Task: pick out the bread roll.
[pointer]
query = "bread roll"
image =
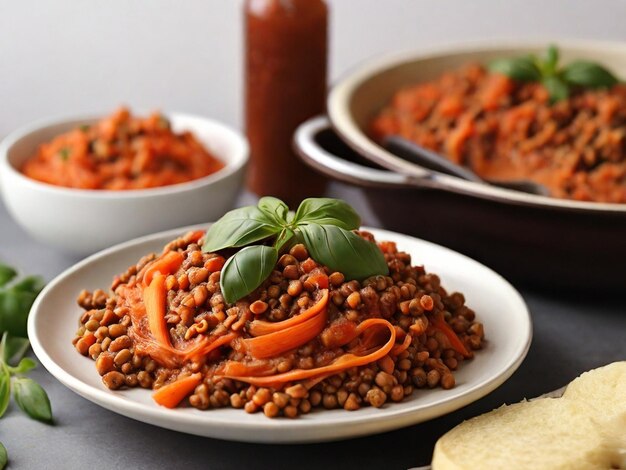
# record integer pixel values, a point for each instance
(585, 429)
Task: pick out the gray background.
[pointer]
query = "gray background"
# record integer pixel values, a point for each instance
(77, 56)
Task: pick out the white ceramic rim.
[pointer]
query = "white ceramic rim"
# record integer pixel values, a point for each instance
(232, 163)
(344, 124)
(388, 419)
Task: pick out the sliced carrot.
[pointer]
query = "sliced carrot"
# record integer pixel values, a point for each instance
(341, 363)
(166, 264)
(439, 323)
(171, 395)
(260, 327)
(154, 298)
(215, 264)
(195, 235)
(207, 345)
(398, 348)
(318, 278)
(273, 344)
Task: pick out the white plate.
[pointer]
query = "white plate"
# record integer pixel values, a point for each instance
(54, 316)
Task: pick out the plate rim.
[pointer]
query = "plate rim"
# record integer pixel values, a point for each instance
(340, 428)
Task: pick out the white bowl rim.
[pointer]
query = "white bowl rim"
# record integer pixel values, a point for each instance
(345, 126)
(232, 164)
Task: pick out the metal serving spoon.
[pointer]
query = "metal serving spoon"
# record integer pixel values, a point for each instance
(428, 159)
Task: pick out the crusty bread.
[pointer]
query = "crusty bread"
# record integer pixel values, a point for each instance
(586, 429)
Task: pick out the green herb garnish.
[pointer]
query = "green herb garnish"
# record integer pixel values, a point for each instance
(558, 81)
(324, 225)
(16, 298)
(4, 457)
(28, 394)
(64, 153)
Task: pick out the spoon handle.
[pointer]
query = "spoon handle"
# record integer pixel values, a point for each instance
(427, 159)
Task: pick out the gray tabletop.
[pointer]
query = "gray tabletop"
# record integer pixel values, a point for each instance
(571, 335)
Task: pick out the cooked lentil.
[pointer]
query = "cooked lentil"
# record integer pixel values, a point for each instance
(409, 298)
(508, 130)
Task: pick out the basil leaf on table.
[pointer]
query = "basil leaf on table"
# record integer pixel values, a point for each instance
(7, 273)
(588, 74)
(275, 208)
(344, 251)
(33, 284)
(327, 211)
(5, 389)
(32, 399)
(246, 270)
(520, 68)
(25, 365)
(240, 227)
(4, 456)
(557, 88)
(14, 349)
(14, 308)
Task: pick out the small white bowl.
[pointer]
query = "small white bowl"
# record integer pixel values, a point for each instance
(80, 221)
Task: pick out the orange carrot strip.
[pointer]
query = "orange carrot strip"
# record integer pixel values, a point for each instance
(169, 263)
(398, 348)
(455, 342)
(273, 344)
(260, 327)
(341, 363)
(319, 278)
(205, 346)
(195, 236)
(154, 298)
(171, 395)
(215, 264)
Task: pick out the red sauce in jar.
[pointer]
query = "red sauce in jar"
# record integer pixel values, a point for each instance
(286, 61)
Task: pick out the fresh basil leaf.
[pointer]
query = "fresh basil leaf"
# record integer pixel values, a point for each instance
(24, 366)
(14, 308)
(285, 237)
(344, 251)
(238, 228)
(246, 270)
(327, 211)
(523, 69)
(32, 399)
(588, 74)
(4, 457)
(14, 349)
(33, 284)
(274, 208)
(5, 389)
(7, 273)
(552, 59)
(557, 88)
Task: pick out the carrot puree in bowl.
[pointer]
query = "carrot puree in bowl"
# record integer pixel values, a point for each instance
(122, 152)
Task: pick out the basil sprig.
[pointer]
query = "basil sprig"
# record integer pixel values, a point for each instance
(16, 298)
(28, 394)
(558, 81)
(324, 225)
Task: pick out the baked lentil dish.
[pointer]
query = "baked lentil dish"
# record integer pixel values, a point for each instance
(306, 337)
(509, 129)
(122, 152)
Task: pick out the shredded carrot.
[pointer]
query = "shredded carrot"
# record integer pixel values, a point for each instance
(215, 264)
(171, 395)
(168, 263)
(154, 298)
(398, 348)
(194, 236)
(273, 344)
(439, 323)
(318, 278)
(260, 327)
(206, 345)
(341, 363)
